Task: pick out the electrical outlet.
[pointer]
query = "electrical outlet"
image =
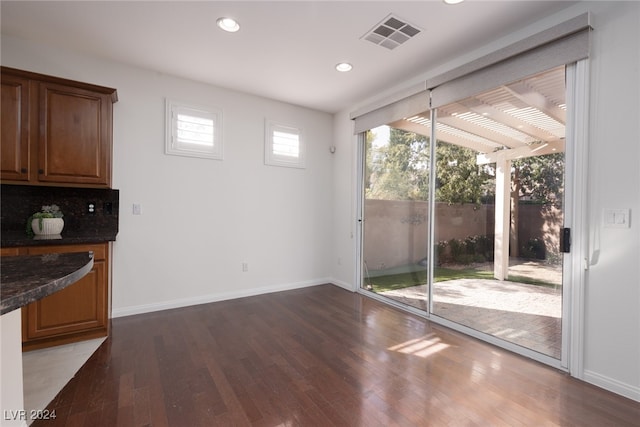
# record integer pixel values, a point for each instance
(245, 267)
(108, 208)
(91, 208)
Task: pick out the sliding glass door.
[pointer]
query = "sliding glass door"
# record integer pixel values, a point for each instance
(468, 229)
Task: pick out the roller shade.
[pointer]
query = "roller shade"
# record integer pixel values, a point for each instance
(560, 45)
(416, 102)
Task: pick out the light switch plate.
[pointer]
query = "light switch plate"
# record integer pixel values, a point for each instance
(616, 218)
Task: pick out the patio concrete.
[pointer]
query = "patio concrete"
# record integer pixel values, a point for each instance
(527, 315)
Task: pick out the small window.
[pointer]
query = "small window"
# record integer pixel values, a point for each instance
(193, 131)
(284, 145)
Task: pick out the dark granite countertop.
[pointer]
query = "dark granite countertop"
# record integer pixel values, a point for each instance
(10, 239)
(25, 279)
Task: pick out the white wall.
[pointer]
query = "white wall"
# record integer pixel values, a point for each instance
(611, 356)
(612, 340)
(201, 219)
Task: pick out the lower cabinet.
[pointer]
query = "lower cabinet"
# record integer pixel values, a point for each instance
(78, 312)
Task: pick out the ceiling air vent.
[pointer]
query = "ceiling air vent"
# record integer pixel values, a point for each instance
(391, 32)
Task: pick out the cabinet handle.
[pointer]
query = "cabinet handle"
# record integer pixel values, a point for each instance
(23, 170)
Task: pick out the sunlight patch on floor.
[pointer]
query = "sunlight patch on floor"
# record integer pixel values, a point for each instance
(421, 347)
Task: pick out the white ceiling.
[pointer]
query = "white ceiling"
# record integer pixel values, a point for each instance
(284, 50)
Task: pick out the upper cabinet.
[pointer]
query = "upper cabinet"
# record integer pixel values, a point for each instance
(55, 131)
(14, 133)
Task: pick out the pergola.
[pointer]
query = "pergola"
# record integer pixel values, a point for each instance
(518, 120)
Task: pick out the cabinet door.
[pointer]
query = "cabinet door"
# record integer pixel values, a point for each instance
(14, 133)
(75, 135)
(78, 311)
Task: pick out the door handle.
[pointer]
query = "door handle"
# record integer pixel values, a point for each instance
(565, 240)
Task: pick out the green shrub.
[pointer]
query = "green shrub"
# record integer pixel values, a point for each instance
(465, 251)
(456, 248)
(465, 259)
(533, 249)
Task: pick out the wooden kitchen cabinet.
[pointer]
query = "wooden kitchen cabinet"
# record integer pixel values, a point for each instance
(77, 312)
(14, 133)
(55, 131)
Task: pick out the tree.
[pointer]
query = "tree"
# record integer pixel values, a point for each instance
(399, 169)
(459, 179)
(540, 179)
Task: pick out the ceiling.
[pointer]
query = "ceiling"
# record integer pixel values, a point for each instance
(284, 50)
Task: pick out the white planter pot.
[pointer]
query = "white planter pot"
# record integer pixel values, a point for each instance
(50, 226)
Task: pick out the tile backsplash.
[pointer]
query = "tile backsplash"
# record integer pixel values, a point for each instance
(19, 202)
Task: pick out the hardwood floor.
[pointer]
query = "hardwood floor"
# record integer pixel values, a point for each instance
(317, 356)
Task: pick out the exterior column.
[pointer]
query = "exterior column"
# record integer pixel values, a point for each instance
(502, 218)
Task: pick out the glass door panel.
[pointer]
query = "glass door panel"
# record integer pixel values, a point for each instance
(498, 212)
(395, 215)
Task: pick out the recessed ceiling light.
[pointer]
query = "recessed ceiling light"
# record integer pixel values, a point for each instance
(343, 67)
(452, 1)
(228, 24)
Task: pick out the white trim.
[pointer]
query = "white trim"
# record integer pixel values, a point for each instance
(222, 296)
(344, 285)
(613, 385)
(577, 140)
(359, 219)
(431, 237)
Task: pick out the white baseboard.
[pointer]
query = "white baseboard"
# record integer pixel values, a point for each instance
(344, 285)
(613, 385)
(222, 296)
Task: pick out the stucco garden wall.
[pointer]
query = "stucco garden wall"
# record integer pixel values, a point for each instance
(396, 231)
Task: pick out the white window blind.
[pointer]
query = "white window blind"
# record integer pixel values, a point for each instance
(284, 145)
(193, 131)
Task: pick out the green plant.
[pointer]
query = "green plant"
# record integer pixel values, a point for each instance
(441, 251)
(533, 249)
(457, 248)
(47, 211)
(405, 280)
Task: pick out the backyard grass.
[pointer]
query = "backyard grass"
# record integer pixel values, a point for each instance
(404, 280)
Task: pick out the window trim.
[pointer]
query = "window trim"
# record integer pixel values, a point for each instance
(173, 108)
(273, 159)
